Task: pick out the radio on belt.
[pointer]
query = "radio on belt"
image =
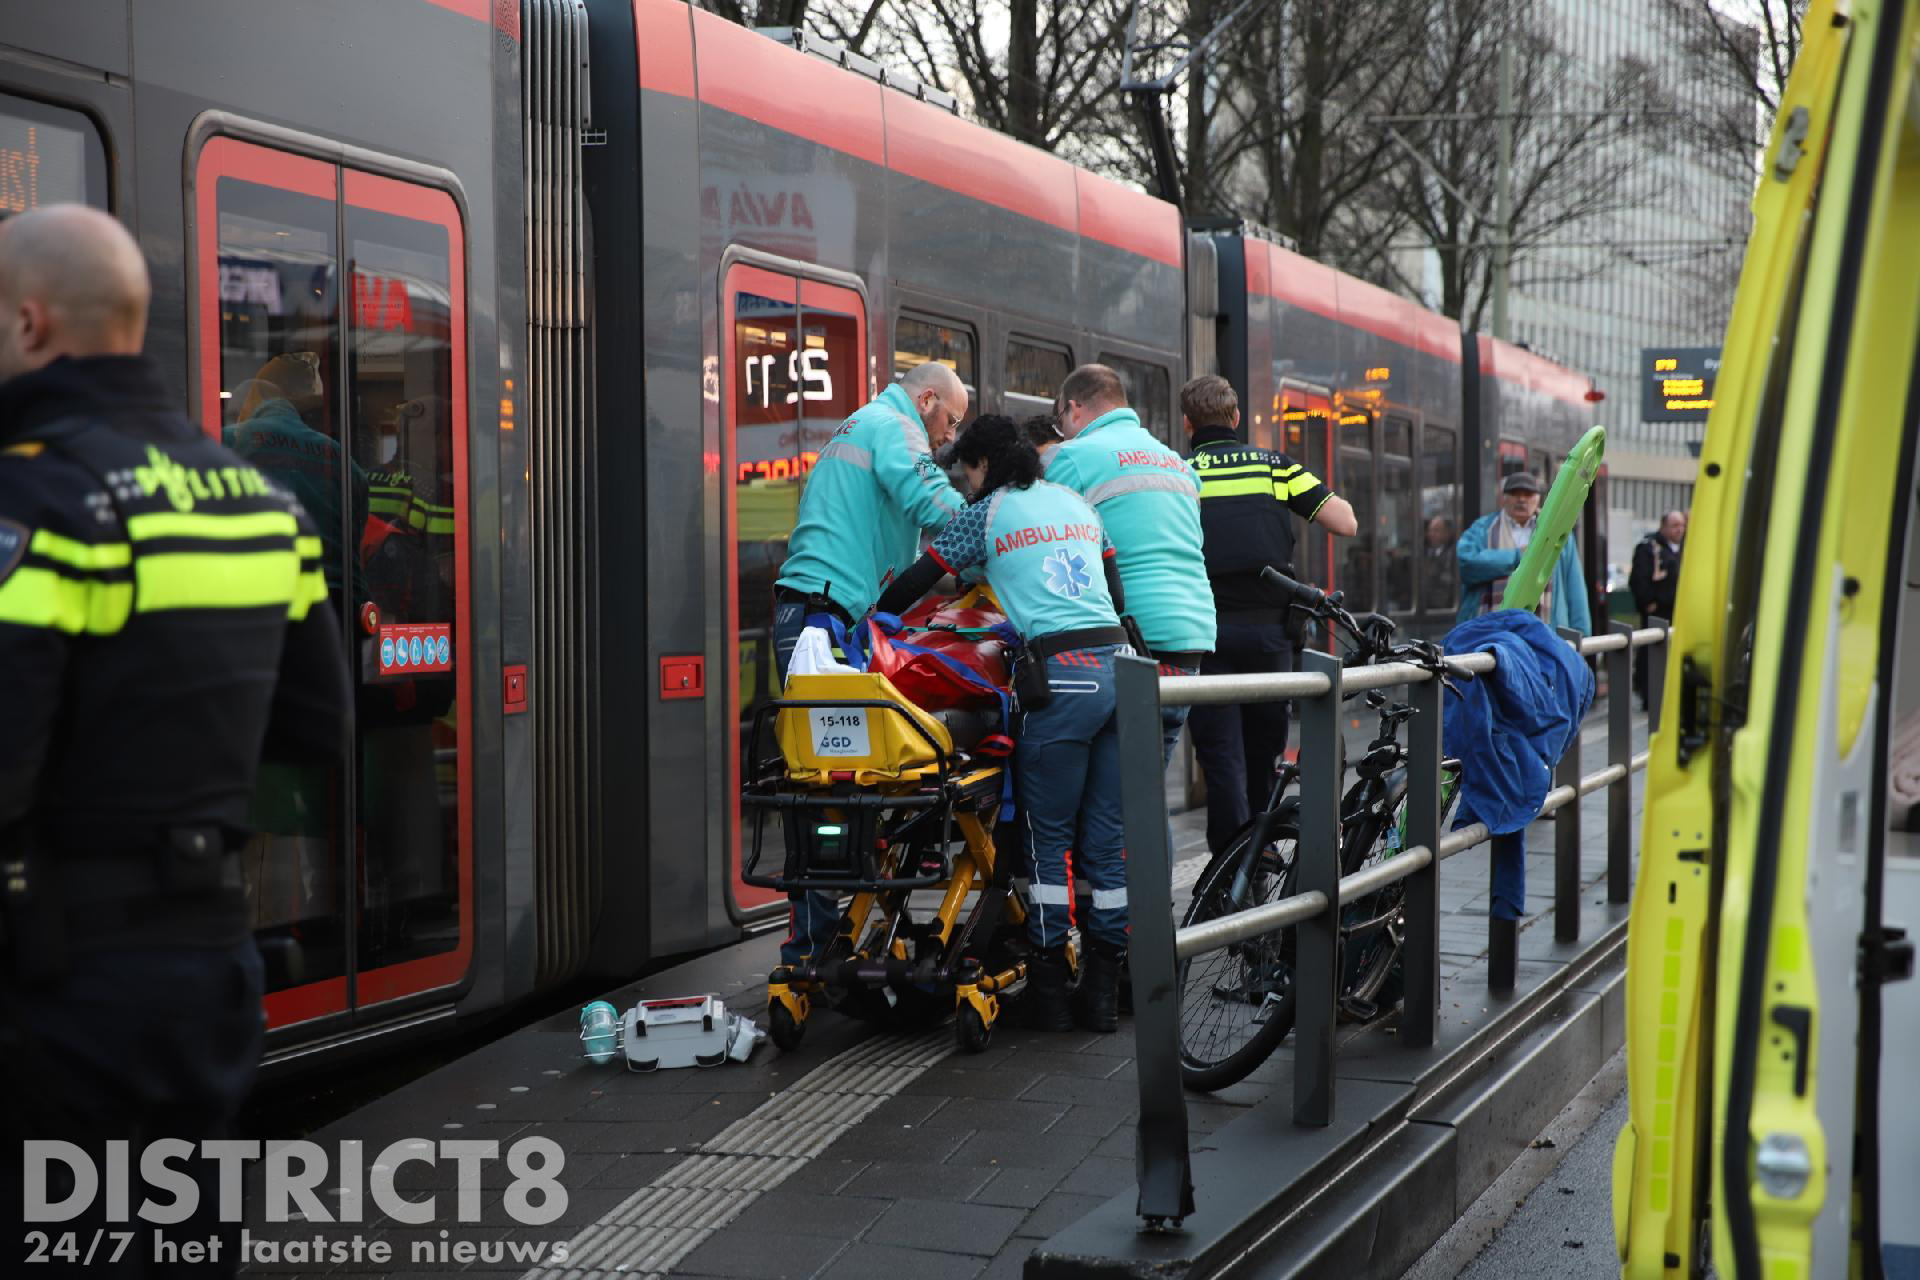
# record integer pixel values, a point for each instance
(693, 1031)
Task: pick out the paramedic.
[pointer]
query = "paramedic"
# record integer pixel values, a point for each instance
(872, 491)
(1149, 500)
(1050, 563)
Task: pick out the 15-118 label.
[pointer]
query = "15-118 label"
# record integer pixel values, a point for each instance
(839, 732)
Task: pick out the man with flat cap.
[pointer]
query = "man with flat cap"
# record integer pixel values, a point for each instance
(1491, 548)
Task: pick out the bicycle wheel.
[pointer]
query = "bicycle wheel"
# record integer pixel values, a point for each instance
(1373, 926)
(1237, 1003)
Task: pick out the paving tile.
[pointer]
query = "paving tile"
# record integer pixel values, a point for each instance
(653, 1107)
(884, 1262)
(1023, 1150)
(1019, 1188)
(1030, 1117)
(971, 1084)
(634, 1170)
(1096, 1120)
(915, 1110)
(1099, 1176)
(888, 1181)
(1093, 1065)
(1080, 1090)
(944, 1227)
(1058, 1212)
(809, 1213)
(924, 1145)
(760, 1255)
(1008, 1264)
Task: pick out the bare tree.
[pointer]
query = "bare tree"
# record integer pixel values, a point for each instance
(1742, 57)
(1575, 162)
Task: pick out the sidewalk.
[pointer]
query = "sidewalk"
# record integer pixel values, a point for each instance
(879, 1155)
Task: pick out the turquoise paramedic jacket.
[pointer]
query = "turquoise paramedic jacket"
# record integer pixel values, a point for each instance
(1042, 547)
(1481, 564)
(874, 487)
(1149, 500)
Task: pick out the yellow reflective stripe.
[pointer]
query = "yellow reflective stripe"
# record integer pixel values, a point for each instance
(387, 506)
(81, 555)
(1298, 485)
(440, 524)
(213, 580)
(190, 524)
(309, 547)
(1211, 488)
(308, 591)
(35, 597)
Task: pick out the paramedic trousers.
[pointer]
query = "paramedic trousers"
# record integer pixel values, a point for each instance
(1237, 744)
(1067, 770)
(813, 916)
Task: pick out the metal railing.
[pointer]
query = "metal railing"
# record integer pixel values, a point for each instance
(1157, 947)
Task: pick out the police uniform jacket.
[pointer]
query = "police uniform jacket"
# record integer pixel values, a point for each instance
(1248, 498)
(163, 621)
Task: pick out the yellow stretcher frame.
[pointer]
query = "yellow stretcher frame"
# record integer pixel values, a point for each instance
(1721, 945)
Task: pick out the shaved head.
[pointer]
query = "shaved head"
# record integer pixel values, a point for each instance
(938, 396)
(72, 283)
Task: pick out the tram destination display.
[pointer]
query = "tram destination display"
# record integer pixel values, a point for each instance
(48, 155)
(1677, 383)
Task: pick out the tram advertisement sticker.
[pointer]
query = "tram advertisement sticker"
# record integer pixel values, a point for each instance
(840, 731)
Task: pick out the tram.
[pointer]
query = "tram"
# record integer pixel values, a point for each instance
(566, 294)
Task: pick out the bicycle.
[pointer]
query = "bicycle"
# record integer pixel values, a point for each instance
(1237, 1003)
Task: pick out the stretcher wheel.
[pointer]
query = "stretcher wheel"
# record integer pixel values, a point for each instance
(786, 1030)
(970, 1031)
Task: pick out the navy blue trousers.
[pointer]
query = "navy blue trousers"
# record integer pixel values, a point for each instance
(1067, 770)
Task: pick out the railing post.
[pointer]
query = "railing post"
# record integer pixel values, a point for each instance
(1620, 752)
(1160, 1158)
(1317, 959)
(1419, 1013)
(1566, 833)
(1657, 673)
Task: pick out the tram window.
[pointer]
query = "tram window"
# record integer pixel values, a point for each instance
(1397, 531)
(1541, 466)
(1034, 375)
(1149, 392)
(916, 341)
(1356, 486)
(273, 395)
(48, 155)
(1439, 501)
(1308, 440)
(401, 425)
(1513, 457)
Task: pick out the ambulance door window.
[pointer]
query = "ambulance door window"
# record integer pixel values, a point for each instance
(406, 417)
(269, 376)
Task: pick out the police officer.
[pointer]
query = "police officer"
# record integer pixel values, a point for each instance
(874, 488)
(1050, 563)
(1248, 500)
(163, 618)
(1149, 500)
(1655, 583)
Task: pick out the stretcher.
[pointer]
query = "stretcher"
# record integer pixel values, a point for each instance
(871, 795)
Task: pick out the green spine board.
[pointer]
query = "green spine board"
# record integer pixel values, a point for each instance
(1556, 520)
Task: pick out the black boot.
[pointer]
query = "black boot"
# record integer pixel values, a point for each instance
(1097, 1003)
(1503, 947)
(1047, 1003)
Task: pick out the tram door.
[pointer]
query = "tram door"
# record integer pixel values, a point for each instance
(332, 345)
(794, 351)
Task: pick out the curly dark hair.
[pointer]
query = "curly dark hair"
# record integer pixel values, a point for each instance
(996, 440)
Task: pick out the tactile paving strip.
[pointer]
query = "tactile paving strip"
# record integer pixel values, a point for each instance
(645, 1234)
